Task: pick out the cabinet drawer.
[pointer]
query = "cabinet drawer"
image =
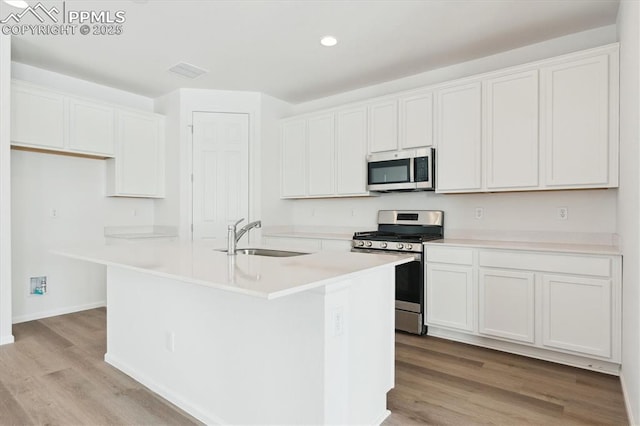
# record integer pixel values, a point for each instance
(553, 262)
(455, 255)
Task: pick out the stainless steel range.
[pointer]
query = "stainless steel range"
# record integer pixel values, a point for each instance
(404, 231)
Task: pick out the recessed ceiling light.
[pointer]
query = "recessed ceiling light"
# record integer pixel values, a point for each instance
(328, 41)
(17, 3)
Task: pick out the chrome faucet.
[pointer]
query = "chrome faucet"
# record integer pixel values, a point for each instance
(233, 236)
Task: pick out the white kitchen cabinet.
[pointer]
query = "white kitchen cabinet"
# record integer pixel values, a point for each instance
(91, 127)
(351, 151)
(511, 126)
(383, 126)
(324, 155)
(459, 138)
(416, 120)
(38, 117)
(506, 303)
(580, 122)
(293, 169)
(321, 155)
(577, 314)
(138, 169)
(450, 296)
(560, 306)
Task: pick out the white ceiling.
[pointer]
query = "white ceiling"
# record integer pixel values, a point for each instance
(273, 46)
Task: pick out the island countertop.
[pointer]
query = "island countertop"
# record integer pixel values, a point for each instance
(260, 276)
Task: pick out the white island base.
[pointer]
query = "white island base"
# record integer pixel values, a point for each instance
(320, 356)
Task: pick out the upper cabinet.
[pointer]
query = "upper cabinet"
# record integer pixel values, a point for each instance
(580, 122)
(403, 122)
(38, 117)
(138, 167)
(44, 119)
(383, 126)
(416, 120)
(511, 119)
(91, 127)
(323, 155)
(459, 135)
(351, 150)
(548, 125)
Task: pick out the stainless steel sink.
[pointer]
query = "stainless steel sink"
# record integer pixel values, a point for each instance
(267, 252)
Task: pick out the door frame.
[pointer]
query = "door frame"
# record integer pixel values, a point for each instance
(254, 167)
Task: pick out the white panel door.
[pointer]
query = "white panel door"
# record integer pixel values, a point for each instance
(576, 122)
(321, 158)
(293, 154)
(449, 296)
(416, 120)
(351, 147)
(37, 117)
(140, 155)
(577, 314)
(506, 304)
(383, 126)
(220, 172)
(459, 138)
(91, 127)
(512, 123)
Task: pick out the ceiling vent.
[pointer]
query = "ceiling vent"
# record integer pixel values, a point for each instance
(187, 70)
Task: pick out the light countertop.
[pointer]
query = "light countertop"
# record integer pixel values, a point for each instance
(595, 249)
(260, 276)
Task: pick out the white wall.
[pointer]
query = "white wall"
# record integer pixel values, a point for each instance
(5, 191)
(534, 52)
(275, 212)
(75, 188)
(526, 216)
(177, 204)
(628, 200)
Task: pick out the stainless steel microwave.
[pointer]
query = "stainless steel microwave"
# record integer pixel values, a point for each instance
(408, 170)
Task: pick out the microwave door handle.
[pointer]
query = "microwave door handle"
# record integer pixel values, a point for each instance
(412, 176)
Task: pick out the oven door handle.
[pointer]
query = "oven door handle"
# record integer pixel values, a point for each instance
(416, 256)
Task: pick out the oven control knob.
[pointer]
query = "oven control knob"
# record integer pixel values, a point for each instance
(360, 243)
(400, 245)
(368, 243)
(383, 245)
(409, 246)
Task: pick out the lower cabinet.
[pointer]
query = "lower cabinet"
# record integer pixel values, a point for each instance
(563, 307)
(450, 296)
(577, 314)
(506, 304)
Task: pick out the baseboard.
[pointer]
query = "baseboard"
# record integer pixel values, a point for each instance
(6, 340)
(627, 402)
(164, 392)
(56, 312)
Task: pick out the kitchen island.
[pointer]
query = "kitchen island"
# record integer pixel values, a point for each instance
(250, 339)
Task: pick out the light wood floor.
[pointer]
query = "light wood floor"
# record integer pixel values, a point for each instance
(55, 375)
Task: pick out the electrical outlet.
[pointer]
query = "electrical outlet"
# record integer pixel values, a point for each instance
(563, 213)
(171, 341)
(53, 213)
(338, 321)
(479, 214)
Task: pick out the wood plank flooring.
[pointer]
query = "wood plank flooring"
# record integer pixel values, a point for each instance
(439, 382)
(55, 375)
